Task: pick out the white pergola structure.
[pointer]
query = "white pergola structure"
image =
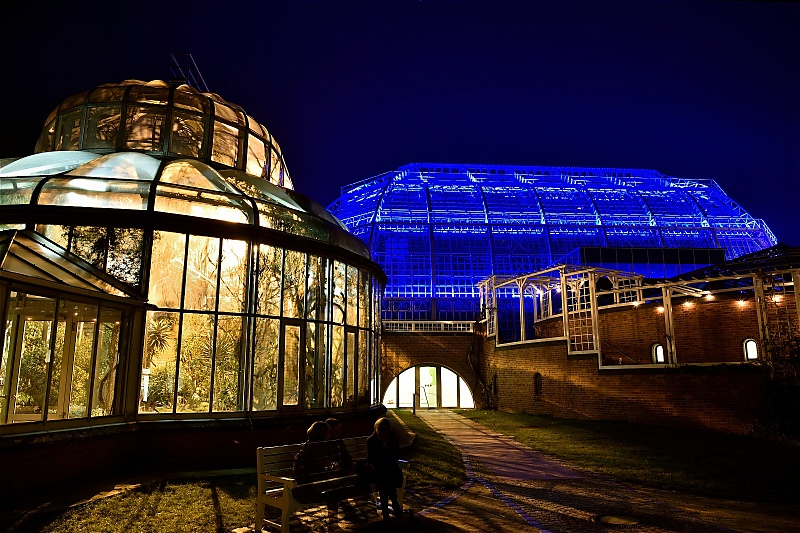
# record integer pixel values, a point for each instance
(541, 295)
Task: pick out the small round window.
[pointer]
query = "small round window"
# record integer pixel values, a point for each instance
(750, 350)
(658, 354)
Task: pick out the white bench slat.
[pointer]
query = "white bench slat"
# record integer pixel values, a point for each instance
(275, 466)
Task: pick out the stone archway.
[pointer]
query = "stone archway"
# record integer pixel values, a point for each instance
(428, 387)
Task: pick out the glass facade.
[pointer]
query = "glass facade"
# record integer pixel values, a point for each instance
(138, 284)
(159, 119)
(437, 230)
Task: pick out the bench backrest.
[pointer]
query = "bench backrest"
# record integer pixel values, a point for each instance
(279, 460)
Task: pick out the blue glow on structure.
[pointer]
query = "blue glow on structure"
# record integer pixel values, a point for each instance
(438, 229)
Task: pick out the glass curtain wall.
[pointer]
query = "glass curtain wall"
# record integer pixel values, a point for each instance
(255, 327)
(60, 358)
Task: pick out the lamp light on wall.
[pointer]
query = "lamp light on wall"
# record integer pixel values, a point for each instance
(660, 308)
(741, 303)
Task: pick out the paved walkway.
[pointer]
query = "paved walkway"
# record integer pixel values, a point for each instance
(513, 488)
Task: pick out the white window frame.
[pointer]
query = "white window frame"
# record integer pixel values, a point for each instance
(657, 351)
(754, 344)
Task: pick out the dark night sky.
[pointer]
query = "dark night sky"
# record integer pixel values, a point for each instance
(354, 89)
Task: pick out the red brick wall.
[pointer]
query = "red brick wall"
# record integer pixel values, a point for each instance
(722, 398)
(706, 332)
(405, 350)
(713, 331)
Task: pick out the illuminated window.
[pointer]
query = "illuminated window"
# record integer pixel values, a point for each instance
(750, 350)
(658, 354)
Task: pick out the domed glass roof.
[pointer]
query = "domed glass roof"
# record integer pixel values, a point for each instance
(135, 181)
(159, 119)
(439, 229)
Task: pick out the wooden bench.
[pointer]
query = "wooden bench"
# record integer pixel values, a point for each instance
(275, 481)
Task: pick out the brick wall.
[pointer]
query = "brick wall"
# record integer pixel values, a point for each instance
(405, 350)
(722, 397)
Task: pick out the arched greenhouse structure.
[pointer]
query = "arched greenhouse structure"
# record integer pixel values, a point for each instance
(156, 265)
(438, 229)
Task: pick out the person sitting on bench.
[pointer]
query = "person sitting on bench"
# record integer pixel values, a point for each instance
(317, 462)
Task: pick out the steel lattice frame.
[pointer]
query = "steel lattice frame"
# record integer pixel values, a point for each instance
(438, 229)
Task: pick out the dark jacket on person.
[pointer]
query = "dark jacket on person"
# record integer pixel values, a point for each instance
(383, 460)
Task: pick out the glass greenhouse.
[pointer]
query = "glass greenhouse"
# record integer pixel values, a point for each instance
(155, 262)
(439, 229)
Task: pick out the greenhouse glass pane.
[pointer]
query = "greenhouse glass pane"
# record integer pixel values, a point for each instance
(339, 277)
(105, 367)
(466, 401)
(194, 372)
(158, 365)
(291, 365)
(268, 279)
(314, 367)
(294, 283)
(16, 191)
(197, 203)
(449, 388)
(102, 127)
(233, 276)
(390, 398)
(316, 308)
(227, 357)
(202, 268)
(187, 133)
(84, 319)
(98, 193)
(68, 131)
(408, 388)
(143, 129)
(351, 347)
(225, 148)
(265, 364)
(166, 269)
(256, 156)
(122, 166)
(46, 164)
(352, 295)
(337, 366)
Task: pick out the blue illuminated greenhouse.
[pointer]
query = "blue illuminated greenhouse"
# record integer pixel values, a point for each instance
(438, 229)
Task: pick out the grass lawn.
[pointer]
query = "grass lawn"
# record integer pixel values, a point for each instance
(685, 460)
(221, 503)
(434, 461)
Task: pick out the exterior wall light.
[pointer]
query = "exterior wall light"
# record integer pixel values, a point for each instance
(660, 309)
(741, 303)
(687, 304)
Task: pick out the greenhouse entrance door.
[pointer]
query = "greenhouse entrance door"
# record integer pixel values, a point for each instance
(429, 387)
(49, 355)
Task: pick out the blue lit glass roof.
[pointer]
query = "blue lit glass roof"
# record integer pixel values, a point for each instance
(438, 229)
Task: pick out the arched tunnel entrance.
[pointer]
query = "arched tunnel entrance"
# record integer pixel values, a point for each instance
(435, 387)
